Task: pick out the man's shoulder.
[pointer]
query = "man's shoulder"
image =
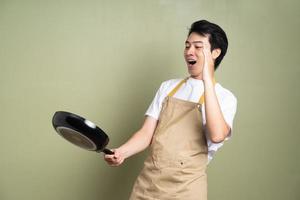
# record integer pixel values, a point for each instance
(172, 81)
(225, 93)
(165, 85)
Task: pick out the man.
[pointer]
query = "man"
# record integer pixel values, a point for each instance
(186, 123)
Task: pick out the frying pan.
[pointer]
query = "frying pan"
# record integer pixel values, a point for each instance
(80, 132)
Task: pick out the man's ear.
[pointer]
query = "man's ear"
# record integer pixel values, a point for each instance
(215, 53)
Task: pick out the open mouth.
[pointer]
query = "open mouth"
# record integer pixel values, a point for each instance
(191, 62)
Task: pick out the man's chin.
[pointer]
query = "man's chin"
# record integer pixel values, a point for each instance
(195, 75)
(192, 72)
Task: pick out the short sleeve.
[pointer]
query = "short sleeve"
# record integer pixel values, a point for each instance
(228, 106)
(155, 107)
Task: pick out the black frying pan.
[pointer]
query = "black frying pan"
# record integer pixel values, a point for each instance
(80, 132)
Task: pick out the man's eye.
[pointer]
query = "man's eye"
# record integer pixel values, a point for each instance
(199, 47)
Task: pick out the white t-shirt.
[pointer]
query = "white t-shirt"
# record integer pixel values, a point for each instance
(192, 90)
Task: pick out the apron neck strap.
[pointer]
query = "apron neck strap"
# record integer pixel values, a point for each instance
(176, 88)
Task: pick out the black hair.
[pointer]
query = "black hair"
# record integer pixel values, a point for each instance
(216, 35)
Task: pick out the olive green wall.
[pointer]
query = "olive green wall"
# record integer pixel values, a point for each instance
(105, 59)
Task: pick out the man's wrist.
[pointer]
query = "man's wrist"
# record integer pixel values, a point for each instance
(209, 81)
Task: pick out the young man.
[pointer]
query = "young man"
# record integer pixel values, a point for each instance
(186, 123)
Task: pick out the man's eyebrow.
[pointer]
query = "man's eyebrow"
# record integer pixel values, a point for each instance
(194, 42)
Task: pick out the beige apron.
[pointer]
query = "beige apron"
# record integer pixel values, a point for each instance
(176, 166)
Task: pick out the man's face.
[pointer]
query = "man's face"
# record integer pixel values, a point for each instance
(193, 54)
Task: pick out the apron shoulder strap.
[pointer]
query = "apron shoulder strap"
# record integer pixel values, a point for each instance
(175, 89)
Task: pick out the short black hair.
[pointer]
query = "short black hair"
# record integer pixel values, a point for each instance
(216, 35)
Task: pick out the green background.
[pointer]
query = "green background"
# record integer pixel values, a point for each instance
(105, 60)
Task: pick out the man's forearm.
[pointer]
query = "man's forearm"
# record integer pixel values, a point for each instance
(215, 122)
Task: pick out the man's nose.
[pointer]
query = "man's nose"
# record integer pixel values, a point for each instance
(190, 51)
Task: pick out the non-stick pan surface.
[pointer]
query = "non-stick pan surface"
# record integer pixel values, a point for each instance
(80, 132)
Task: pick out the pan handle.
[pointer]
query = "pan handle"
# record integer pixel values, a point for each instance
(107, 151)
